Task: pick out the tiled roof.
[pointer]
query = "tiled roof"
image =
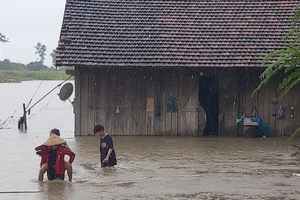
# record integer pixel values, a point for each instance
(178, 33)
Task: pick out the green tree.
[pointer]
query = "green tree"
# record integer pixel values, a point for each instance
(40, 50)
(3, 38)
(286, 61)
(36, 66)
(8, 65)
(5, 64)
(53, 56)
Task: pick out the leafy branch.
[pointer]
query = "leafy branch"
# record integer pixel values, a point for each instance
(3, 38)
(286, 61)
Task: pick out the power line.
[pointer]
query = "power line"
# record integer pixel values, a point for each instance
(38, 87)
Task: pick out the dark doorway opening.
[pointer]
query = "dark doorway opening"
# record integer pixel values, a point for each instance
(209, 100)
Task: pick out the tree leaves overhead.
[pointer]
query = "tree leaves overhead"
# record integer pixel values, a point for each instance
(286, 60)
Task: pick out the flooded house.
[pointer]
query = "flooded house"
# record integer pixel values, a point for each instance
(175, 68)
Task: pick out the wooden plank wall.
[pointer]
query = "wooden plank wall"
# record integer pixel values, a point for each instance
(84, 107)
(297, 108)
(241, 102)
(228, 102)
(267, 107)
(99, 92)
(103, 91)
(188, 104)
(77, 104)
(236, 87)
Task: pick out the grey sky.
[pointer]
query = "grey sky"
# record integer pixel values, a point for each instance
(26, 22)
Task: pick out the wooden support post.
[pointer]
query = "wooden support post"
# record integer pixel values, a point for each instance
(24, 116)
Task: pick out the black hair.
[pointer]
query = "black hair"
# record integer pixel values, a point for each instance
(98, 128)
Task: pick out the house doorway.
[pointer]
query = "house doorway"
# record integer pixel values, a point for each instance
(209, 101)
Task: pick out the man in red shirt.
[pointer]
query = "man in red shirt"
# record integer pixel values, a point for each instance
(52, 154)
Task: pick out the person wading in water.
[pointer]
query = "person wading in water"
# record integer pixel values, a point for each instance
(52, 154)
(107, 152)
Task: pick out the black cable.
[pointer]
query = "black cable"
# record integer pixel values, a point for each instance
(10, 117)
(28, 110)
(38, 87)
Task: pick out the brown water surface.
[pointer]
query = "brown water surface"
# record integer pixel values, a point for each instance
(148, 167)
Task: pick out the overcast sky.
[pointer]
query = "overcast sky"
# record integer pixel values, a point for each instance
(26, 22)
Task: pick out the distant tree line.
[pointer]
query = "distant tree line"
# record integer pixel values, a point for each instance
(40, 50)
(8, 65)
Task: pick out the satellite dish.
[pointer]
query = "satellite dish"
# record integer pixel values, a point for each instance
(66, 91)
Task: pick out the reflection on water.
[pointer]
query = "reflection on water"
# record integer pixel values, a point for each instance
(55, 190)
(148, 167)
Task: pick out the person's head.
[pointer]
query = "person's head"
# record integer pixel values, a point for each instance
(55, 131)
(99, 130)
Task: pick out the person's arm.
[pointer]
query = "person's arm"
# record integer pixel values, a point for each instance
(71, 154)
(110, 148)
(41, 150)
(108, 154)
(41, 147)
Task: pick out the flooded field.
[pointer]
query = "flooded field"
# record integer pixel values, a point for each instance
(148, 167)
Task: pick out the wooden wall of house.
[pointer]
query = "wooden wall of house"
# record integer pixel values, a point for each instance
(133, 102)
(228, 102)
(267, 103)
(236, 100)
(140, 98)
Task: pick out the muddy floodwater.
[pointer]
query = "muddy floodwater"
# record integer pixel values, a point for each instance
(148, 167)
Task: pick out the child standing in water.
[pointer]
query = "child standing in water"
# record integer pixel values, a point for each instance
(107, 152)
